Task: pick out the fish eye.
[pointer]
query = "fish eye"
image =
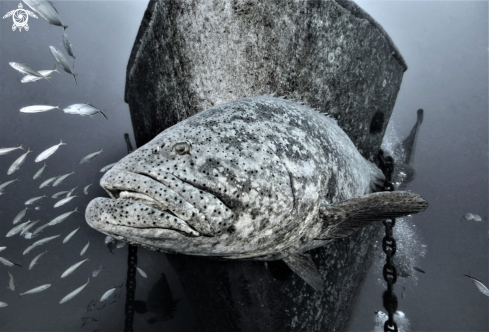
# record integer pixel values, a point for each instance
(182, 148)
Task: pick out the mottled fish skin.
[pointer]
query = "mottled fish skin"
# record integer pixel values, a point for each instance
(250, 178)
(39, 172)
(48, 152)
(61, 59)
(46, 10)
(7, 150)
(90, 156)
(18, 162)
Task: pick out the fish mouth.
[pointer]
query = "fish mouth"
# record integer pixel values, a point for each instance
(147, 191)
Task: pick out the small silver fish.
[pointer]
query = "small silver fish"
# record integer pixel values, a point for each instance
(83, 109)
(95, 273)
(45, 73)
(28, 235)
(35, 259)
(34, 199)
(84, 250)
(24, 69)
(19, 216)
(106, 168)
(107, 294)
(64, 201)
(108, 239)
(85, 190)
(3, 248)
(69, 236)
(71, 192)
(18, 162)
(68, 47)
(61, 59)
(477, 218)
(6, 262)
(38, 108)
(3, 304)
(48, 181)
(121, 244)
(142, 273)
(38, 230)
(74, 293)
(39, 172)
(36, 290)
(72, 268)
(37, 208)
(5, 184)
(28, 227)
(46, 10)
(62, 178)
(17, 229)
(480, 286)
(62, 217)
(61, 193)
(468, 216)
(7, 150)
(90, 156)
(40, 242)
(11, 283)
(48, 152)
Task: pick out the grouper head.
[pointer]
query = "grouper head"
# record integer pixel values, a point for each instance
(201, 187)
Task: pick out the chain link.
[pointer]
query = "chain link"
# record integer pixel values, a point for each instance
(389, 272)
(132, 261)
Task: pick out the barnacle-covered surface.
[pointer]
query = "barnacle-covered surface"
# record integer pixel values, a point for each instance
(190, 56)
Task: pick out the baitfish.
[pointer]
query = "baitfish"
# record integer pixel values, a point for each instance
(35, 259)
(5, 184)
(69, 236)
(11, 283)
(61, 59)
(62, 217)
(480, 286)
(62, 178)
(25, 69)
(19, 216)
(36, 290)
(72, 268)
(260, 178)
(106, 168)
(17, 229)
(74, 293)
(142, 273)
(28, 227)
(83, 109)
(3, 304)
(7, 150)
(90, 156)
(64, 201)
(34, 199)
(18, 162)
(45, 73)
(40, 242)
(85, 190)
(61, 193)
(107, 294)
(96, 272)
(68, 47)
(48, 152)
(6, 262)
(39, 172)
(48, 182)
(46, 10)
(84, 250)
(38, 108)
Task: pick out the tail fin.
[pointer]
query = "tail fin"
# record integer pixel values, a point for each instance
(104, 114)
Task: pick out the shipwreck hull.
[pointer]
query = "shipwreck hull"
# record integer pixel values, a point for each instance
(191, 55)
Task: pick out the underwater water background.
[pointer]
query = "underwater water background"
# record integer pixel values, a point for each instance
(445, 44)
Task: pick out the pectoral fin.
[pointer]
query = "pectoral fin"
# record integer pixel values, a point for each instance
(343, 218)
(303, 265)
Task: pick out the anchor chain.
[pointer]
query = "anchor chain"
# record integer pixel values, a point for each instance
(132, 260)
(389, 272)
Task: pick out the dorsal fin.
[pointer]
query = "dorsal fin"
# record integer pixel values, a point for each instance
(305, 268)
(343, 218)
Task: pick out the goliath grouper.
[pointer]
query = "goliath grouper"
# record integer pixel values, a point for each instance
(260, 178)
